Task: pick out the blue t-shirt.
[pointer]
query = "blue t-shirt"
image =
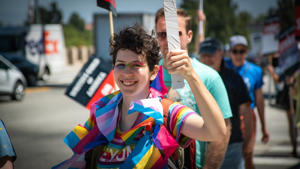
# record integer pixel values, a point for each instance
(6, 148)
(252, 76)
(215, 86)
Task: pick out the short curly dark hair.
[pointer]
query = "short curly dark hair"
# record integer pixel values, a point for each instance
(137, 40)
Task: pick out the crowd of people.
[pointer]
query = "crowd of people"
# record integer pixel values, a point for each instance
(208, 124)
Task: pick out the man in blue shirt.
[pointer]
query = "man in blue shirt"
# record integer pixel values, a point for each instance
(252, 75)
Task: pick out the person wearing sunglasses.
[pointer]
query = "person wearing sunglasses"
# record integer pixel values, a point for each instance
(202, 154)
(253, 78)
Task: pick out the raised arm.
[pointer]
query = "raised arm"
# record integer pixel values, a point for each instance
(200, 37)
(211, 125)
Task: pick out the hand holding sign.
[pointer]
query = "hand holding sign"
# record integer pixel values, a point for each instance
(178, 62)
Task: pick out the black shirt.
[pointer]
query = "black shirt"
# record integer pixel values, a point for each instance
(237, 94)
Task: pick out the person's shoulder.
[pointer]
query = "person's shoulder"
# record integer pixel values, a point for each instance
(203, 70)
(231, 75)
(253, 67)
(227, 60)
(229, 72)
(228, 63)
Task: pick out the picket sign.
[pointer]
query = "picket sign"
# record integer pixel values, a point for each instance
(200, 28)
(95, 79)
(173, 36)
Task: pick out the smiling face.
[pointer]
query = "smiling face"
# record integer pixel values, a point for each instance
(132, 74)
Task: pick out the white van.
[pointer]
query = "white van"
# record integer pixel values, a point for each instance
(37, 50)
(45, 46)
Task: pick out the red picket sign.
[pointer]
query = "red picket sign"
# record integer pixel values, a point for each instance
(108, 4)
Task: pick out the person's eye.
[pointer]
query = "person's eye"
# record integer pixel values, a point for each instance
(161, 35)
(137, 65)
(120, 66)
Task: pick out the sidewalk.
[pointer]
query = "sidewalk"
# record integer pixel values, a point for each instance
(64, 77)
(277, 153)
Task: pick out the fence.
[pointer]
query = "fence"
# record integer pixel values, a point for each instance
(79, 55)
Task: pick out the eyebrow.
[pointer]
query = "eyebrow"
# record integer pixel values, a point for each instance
(135, 61)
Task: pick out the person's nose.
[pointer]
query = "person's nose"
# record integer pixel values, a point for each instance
(129, 69)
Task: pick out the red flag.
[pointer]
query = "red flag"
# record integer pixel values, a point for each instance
(108, 4)
(297, 18)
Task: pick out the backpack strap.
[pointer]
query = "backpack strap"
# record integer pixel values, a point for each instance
(176, 161)
(92, 156)
(166, 103)
(182, 158)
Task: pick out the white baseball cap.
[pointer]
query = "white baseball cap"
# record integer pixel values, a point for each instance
(238, 40)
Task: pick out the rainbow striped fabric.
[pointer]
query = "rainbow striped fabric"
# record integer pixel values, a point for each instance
(157, 86)
(152, 150)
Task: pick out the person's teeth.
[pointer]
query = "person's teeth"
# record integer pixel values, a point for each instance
(128, 82)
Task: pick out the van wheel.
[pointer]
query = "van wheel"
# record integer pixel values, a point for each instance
(19, 91)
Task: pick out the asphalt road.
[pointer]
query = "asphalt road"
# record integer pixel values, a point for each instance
(38, 124)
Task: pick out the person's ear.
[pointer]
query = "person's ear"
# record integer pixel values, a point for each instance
(154, 72)
(190, 35)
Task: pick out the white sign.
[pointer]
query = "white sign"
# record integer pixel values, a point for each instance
(173, 36)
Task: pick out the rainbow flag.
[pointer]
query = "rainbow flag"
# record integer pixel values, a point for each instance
(157, 87)
(151, 151)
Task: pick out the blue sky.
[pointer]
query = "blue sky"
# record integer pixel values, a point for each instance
(14, 12)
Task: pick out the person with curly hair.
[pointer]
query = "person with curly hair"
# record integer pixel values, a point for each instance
(134, 127)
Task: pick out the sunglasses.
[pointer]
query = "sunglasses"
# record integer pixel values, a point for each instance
(163, 35)
(235, 51)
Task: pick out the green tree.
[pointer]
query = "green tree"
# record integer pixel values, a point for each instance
(75, 34)
(222, 20)
(76, 21)
(286, 14)
(260, 19)
(56, 15)
(75, 37)
(51, 16)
